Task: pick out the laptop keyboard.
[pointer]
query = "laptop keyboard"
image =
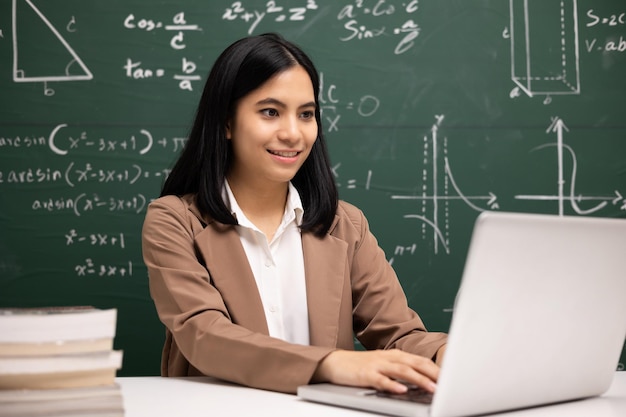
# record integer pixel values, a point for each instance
(414, 394)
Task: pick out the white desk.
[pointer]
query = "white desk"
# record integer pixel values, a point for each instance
(190, 397)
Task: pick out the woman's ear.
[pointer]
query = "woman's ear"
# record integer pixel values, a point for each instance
(228, 134)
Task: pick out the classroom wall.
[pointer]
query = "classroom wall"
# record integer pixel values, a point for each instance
(434, 111)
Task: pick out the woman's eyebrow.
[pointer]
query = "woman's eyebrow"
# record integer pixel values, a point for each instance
(276, 102)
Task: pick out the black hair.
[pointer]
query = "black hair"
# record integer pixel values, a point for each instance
(206, 158)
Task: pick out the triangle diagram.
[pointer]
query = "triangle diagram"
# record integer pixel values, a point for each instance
(40, 53)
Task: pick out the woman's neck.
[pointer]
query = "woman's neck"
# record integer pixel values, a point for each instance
(263, 206)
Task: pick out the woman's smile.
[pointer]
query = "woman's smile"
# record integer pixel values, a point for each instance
(284, 156)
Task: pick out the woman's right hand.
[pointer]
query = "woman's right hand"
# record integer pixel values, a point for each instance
(378, 369)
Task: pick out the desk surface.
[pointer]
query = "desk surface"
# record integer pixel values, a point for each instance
(203, 396)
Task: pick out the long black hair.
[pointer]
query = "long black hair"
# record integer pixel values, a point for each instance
(204, 162)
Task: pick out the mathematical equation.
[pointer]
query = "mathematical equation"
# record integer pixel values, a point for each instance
(95, 239)
(91, 203)
(330, 105)
(95, 203)
(74, 174)
(361, 19)
(375, 12)
(134, 69)
(141, 142)
(616, 21)
(91, 268)
(237, 11)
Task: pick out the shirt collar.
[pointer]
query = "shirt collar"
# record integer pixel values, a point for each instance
(293, 206)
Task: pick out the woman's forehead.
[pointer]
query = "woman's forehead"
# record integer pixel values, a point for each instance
(293, 82)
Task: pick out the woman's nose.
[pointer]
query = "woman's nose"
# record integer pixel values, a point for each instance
(290, 129)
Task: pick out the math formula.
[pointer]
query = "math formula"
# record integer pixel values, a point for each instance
(178, 28)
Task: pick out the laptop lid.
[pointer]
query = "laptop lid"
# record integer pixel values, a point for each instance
(539, 318)
(540, 315)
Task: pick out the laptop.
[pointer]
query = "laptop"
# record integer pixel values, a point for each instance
(540, 318)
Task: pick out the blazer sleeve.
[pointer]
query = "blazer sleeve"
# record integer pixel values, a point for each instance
(382, 317)
(200, 329)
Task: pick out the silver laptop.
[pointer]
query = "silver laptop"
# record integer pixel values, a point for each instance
(540, 318)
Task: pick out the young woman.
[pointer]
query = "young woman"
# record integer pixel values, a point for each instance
(259, 274)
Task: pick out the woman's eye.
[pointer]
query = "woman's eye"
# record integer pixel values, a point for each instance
(269, 112)
(308, 115)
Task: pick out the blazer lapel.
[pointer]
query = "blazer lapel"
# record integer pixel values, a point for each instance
(231, 274)
(324, 266)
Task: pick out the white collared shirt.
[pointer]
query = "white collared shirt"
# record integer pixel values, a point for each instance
(278, 268)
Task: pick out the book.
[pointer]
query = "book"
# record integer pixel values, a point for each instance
(59, 362)
(56, 330)
(101, 401)
(59, 371)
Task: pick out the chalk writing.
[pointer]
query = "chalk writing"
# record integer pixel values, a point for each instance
(134, 69)
(273, 10)
(611, 45)
(188, 69)
(141, 142)
(436, 217)
(87, 172)
(82, 173)
(560, 79)
(330, 105)
(558, 126)
(614, 43)
(179, 25)
(84, 204)
(30, 176)
(352, 183)
(91, 268)
(75, 68)
(377, 12)
(402, 250)
(94, 239)
(23, 141)
(615, 19)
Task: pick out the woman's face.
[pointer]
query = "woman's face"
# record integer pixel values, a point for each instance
(273, 129)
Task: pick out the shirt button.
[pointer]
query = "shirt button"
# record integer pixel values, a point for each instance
(273, 309)
(268, 263)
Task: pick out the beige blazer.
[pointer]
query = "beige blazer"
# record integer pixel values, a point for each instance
(206, 296)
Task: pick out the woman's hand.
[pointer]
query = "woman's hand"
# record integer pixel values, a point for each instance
(378, 369)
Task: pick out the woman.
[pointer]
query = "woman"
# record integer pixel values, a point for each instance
(260, 275)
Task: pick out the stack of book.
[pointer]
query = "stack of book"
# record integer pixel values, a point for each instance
(59, 361)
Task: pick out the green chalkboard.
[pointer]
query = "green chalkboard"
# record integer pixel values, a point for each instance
(434, 111)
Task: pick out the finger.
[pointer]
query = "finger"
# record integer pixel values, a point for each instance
(411, 369)
(426, 367)
(420, 364)
(408, 375)
(384, 383)
(422, 381)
